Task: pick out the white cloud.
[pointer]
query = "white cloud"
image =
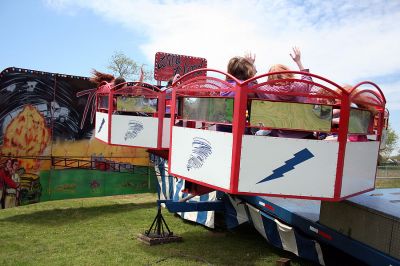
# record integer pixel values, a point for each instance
(392, 95)
(342, 40)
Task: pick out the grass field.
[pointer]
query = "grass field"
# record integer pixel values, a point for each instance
(102, 231)
(387, 182)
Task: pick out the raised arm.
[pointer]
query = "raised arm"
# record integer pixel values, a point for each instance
(296, 56)
(251, 57)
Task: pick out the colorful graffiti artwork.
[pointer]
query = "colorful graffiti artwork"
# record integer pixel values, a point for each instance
(27, 134)
(46, 123)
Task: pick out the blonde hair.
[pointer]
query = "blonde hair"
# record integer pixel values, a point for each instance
(279, 68)
(241, 68)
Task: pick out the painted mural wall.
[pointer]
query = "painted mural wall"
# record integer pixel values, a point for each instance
(47, 123)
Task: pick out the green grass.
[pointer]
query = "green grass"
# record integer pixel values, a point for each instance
(387, 183)
(102, 231)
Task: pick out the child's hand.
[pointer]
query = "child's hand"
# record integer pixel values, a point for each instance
(296, 56)
(251, 57)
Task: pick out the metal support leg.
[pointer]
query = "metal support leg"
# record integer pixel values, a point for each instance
(156, 233)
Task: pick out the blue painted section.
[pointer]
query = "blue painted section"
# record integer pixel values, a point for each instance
(101, 125)
(307, 245)
(220, 195)
(230, 214)
(161, 166)
(179, 185)
(302, 225)
(194, 206)
(202, 216)
(171, 186)
(289, 165)
(165, 178)
(308, 209)
(271, 230)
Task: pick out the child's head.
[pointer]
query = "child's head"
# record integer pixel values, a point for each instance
(241, 68)
(279, 68)
(119, 80)
(98, 77)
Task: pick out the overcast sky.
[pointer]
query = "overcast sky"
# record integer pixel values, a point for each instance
(346, 41)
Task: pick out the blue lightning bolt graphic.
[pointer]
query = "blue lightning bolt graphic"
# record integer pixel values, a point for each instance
(298, 158)
(101, 125)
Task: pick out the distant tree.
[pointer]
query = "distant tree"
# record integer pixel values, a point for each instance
(123, 66)
(391, 144)
(148, 75)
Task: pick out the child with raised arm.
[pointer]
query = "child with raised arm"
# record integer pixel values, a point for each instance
(288, 87)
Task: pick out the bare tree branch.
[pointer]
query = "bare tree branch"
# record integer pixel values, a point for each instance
(123, 66)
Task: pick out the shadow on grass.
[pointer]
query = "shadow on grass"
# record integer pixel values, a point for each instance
(243, 246)
(59, 216)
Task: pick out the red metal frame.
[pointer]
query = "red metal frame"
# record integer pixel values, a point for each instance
(238, 128)
(342, 139)
(133, 89)
(186, 85)
(103, 89)
(359, 90)
(203, 184)
(191, 85)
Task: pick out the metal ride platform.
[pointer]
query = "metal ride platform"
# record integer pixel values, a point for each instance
(295, 224)
(290, 224)
(307, 216)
